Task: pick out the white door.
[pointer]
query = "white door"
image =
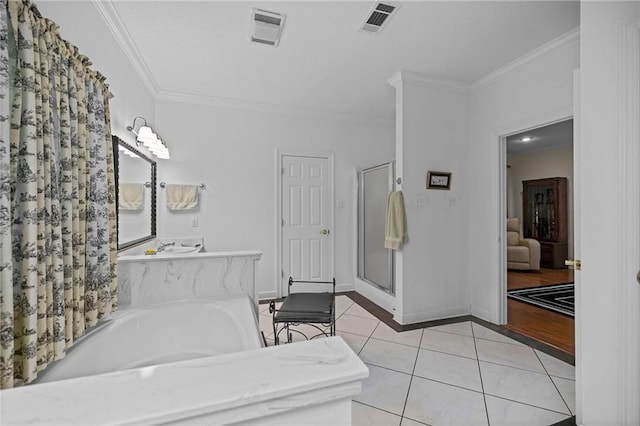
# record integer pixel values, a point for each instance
(306, 219)
(608, 351)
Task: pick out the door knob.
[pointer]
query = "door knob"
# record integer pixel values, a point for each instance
(573, 264)
(324, 232)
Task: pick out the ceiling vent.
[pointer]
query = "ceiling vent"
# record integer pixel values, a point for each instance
(379, 16)
(266, 27)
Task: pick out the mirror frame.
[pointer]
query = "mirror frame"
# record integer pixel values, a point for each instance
(116, 141)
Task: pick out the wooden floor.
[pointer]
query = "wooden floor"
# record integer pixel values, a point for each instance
(540, 324)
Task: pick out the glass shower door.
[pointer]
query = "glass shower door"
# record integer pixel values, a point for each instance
(375, 262)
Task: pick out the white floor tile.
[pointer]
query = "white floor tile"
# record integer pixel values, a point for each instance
(342, 304)
(447, 342)
(355, 342)
(451, 369)
(389, 355)
(439, 404)
(384, 389)
(410, 338)
(356, 325)
(447, 385)
(463, 328)
(358, 311)
(522, 386)
(557, 368)
(409, 422)
(567, 389)
(363, 415)
(266, 325)
(263, 308)
(302, 332)
(510, 413)
(480, 332)
(506, 354)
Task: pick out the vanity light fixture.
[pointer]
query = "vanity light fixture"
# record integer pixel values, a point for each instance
(150, 139)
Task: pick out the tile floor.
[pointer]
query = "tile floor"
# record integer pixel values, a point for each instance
(454, 374)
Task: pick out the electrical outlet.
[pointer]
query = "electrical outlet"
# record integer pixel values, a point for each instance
(194, 222)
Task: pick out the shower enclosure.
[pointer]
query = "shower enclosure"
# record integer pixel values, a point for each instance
(375, 262)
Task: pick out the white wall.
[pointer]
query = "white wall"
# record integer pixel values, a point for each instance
(433, 135)
(528, 96)
(232, 151)
(557, 162)
(81, 24)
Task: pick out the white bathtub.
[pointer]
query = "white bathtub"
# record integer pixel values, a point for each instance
(161, 334)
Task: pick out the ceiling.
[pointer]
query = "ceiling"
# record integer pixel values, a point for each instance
(323, 63)
(542, 138)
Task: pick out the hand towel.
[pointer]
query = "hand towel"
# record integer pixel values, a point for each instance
(130, 196)
(395, 227)
(181, 197)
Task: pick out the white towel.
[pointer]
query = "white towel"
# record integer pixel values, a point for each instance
(395, 227)
(130, 196)
(181, 197)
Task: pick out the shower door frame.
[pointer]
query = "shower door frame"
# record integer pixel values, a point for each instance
(360, 227)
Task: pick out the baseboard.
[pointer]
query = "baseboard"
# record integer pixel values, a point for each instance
(340, 288)
(415, 317)
(380, 298)
(482, 314)
(265, 295)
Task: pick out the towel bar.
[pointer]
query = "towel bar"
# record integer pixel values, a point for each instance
(201, 186)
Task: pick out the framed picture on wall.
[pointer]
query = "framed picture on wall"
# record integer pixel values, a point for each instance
(438, 180)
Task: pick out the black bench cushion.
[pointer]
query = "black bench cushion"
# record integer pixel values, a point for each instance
(306, 307)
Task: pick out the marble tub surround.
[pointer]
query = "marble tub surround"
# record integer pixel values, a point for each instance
(146, 280)
(288, 384)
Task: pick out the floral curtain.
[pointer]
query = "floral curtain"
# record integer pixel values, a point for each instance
(57, 199)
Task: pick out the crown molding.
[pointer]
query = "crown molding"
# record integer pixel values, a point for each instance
(119, 30)
(529, 58)
(424, 80)
(312, 113)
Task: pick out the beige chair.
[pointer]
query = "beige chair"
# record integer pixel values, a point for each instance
(523, 254)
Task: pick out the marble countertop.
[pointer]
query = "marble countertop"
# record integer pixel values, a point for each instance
(196, 255)
(223, 389)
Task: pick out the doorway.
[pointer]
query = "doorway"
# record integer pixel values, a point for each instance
(375, 262)
(539, 205)
(305, 218)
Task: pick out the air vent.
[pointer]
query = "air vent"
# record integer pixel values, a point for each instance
(266, 27)
(378, 17)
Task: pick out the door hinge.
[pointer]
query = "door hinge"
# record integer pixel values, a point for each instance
(282, 274)
(282, 171)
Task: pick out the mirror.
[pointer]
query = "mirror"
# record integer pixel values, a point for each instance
(135, 196)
